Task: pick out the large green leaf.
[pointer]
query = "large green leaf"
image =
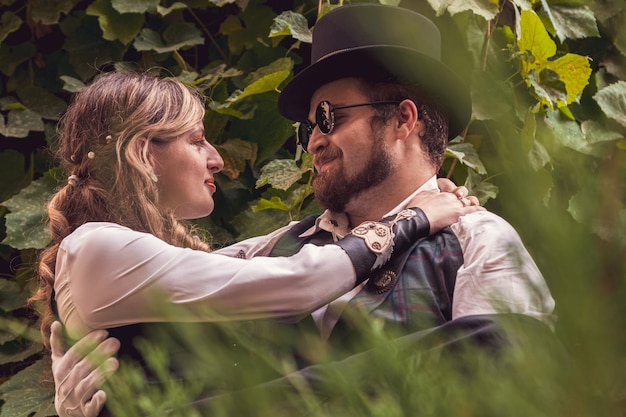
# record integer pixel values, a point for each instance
(467, 155)
(485, 8)
(573, 21)
(280, 174)
(135, 6)
(612, 101)
(42, 102)
(9, 23)
(245, 30)
(566, 132)
(11, 297)
(291, 23)
(12, 56)
(176, 36)
(538, 61)
(26, 225)
(114, 25)
(49, 12)
(20, 123)
(252, 224)
(236, 154)
(26, 394)
(86, 47)
(12, 173)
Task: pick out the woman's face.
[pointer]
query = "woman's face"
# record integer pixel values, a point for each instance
(185, 168)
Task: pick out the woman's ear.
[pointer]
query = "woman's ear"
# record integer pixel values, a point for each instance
(407, 119)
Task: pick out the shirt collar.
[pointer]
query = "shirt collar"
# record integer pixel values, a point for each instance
(339, 225)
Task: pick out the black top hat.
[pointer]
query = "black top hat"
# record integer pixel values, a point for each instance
(377, 41)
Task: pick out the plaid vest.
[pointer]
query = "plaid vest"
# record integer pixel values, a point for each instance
(412, 292)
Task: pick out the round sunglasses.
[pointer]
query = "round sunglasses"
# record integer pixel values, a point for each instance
(325, 119)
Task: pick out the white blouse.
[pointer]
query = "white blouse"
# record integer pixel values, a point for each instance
(108, 275)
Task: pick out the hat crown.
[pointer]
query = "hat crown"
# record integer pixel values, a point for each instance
(365, 26)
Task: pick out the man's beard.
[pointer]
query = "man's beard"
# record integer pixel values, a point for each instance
(334, 190)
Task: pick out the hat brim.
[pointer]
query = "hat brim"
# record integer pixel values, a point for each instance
(427, 75)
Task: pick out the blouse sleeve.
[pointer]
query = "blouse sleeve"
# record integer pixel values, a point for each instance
(108, 276)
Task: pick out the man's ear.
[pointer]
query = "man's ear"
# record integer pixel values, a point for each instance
(407, 119)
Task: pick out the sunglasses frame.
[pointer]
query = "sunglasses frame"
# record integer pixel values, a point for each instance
(325, 119)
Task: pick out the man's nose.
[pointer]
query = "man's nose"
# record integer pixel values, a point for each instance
(317, 141)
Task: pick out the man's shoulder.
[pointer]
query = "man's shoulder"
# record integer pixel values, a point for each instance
(484, 224)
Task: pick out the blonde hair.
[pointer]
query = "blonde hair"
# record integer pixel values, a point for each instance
(104, 139)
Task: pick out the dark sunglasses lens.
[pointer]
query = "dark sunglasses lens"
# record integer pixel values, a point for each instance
(304, 134)
(324, 117)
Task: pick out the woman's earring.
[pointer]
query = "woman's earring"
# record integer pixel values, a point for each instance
(154, 177)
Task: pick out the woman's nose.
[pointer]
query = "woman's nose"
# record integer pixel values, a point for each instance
(215, 163)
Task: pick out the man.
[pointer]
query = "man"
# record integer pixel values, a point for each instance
(377, 108)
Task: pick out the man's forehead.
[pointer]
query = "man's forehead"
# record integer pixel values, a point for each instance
(342, 91)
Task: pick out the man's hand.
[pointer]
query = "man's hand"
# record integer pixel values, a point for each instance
(80, 372)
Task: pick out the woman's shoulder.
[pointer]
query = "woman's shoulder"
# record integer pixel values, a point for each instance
(106, 234)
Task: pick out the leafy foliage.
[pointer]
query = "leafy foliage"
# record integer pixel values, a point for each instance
(545, 149)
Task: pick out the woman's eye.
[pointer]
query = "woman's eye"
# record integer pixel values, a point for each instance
(200, 142)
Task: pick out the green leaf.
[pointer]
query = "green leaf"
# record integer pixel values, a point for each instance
(597, 133)
(265, 79)
(467, 155)
(11, 296)
(9, 23)
(87, 49)
(538, 50)
(535, 40)
(538, 156)
(12, 172)
(250, 223)
(485, 8)
(280, 174)
(12, 56)
(116, 26)
(135, 6)
(26, 223)
(25, 395)
(256, 21)
(584, 208)
(267, 83)
(491, 99)
(274, 203)
(164, 11)
(483, 190)
(574, 71)
(291, 23)
(221, 3)
(21, 122)
(567, 132)
(236, 153)
(49, 12)
(71, 84)
(612, 101)
(573, 21)
(176, 36)
(18, 330)
(42, 102)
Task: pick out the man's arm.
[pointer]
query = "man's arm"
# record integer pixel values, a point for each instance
(79, 372)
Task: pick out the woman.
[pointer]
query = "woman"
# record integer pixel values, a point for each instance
(138, 163)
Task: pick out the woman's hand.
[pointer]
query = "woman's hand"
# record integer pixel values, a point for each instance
(445, 208)
(79, 372)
